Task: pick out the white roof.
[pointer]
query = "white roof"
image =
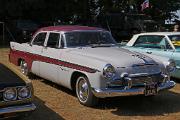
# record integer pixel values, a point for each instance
(159, 33)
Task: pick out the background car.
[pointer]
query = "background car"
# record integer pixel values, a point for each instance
(166, 44)
(16, 93)
(22, 30)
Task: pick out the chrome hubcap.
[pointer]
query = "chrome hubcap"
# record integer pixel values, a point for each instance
(24, 68)
(82, 89)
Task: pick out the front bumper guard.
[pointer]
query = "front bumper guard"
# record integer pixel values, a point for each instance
(112, 92)
(17, 109)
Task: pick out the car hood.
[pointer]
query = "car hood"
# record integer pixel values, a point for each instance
(116, 56)
(9, 78)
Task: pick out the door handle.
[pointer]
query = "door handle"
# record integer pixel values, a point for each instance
(149, 52)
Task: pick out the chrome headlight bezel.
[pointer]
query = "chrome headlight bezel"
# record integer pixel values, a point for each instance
(10, 94)
(24, 92)
(171, 66)
(109, 71)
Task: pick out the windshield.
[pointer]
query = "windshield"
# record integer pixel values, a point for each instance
(175, 39)
(74, 39)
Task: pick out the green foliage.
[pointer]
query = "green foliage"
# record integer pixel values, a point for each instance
(84, 9)
(162, 9)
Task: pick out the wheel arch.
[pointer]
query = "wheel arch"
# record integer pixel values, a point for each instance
(74, 78)
(19, 61)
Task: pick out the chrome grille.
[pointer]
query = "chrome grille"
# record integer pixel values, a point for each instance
(141, 80)
(138, 81)
(148, 69)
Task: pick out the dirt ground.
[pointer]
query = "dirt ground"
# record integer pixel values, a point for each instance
(57, 103)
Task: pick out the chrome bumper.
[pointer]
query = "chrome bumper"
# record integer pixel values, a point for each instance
(110, 92)
(17, 109)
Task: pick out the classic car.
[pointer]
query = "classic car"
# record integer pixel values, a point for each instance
(16, 93)
(88, 61)
(165, 44)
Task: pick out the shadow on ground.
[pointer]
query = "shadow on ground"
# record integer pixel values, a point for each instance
(176, 79)
(42, 112)
(163, 104)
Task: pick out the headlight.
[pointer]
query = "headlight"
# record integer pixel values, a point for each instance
(10, 94)
(108, 71)
(171, 66)
(24, 92)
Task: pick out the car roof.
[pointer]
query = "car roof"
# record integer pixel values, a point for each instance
(160, 33)
(69, 28)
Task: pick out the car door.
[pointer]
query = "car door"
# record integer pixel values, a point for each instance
(64, 70)
(51, 54)
(176, 57)
(35, 49)
(154, 44)
(174, 39)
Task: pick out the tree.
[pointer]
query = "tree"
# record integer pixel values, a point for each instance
(83, 9)
(162, 9)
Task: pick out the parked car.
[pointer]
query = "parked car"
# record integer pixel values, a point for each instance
(16, 93)
(22, 30)
(88, 61)
(165, 44)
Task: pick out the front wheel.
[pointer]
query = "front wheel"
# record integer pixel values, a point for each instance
(84, 93)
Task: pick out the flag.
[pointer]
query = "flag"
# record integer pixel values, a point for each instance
(145, 5)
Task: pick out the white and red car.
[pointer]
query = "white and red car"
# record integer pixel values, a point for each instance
(87, 60)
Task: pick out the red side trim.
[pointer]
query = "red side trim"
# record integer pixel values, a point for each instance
(15, 55)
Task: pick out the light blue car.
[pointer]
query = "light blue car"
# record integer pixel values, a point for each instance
(165, 44)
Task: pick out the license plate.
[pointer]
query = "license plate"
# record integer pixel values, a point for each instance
(150, 90)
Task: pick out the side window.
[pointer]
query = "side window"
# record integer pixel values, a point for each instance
(53, 40)
(39, 39)
(152, 41)
(165, 44)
